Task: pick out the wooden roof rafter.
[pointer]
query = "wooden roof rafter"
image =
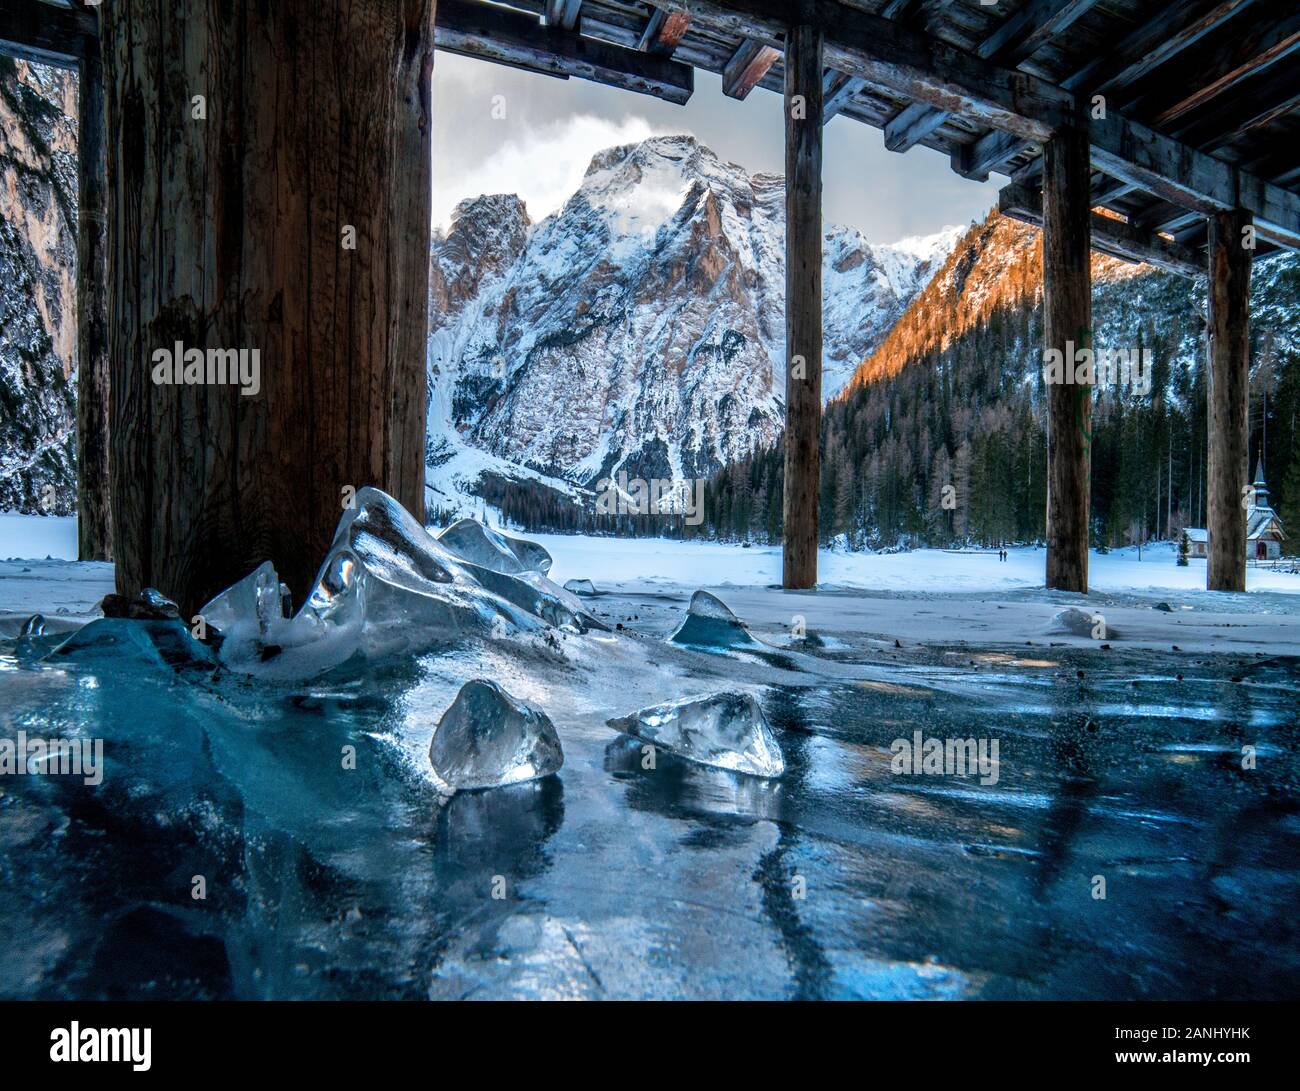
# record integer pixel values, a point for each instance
(516, 38)
(1202, 109)
(1110, 236)
(1015, 40)
(47, 33)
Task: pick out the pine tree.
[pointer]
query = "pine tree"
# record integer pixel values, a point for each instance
(961, 480)
(1289, 513)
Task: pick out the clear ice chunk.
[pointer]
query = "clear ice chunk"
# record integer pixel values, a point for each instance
(581, 588)
(488, 739)
(727, 730)
(251, 610)
(710, 624)
(156, 643)
(471, 541)
(387, 587)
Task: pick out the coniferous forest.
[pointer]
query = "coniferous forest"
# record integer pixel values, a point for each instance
(940, 439)
(970, 416)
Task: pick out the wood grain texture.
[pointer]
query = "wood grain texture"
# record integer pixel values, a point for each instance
(226, 233)
(803, 302)
(1226, 472)
(1067, 318)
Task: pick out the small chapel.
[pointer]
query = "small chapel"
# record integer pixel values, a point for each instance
(1264, 533)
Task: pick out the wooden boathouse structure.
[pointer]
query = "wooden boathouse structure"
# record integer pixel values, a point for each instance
(227, 144)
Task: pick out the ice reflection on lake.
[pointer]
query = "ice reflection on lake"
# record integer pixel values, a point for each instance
(841, 879)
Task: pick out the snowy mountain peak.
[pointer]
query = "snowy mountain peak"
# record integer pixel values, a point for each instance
(639, 327)
(486, 237)
(506, 208)
(679, 147)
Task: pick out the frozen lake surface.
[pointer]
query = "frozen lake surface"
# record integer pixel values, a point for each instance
(843, 878)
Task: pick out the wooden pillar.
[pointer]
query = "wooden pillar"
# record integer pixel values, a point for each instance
(1229, 344)
(270, 195)
(803, 301)
(1067, 328)
(94, 503)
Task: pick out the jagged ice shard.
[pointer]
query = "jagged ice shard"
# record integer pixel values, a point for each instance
(710, 624)
(471, 541)
(489, 739)
(387, 588)
(727, 730)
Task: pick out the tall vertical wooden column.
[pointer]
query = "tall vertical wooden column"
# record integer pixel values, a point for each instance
(271, 176)
(1067, 324)
(94, 504)
(1229, 336)
(803, 301)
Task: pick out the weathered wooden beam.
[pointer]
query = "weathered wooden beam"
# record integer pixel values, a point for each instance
(1268, 96)
(1234, 59)
(516, 38)
(1229, 376)
(94, 486)
(1109, 236)
(1109, 190)
(1166, 217)
(563, 13)
(747, 67)
(1168, 33)
(912, 124)
(902, 10)
(1015, 39)
(663, 31)
(993, 149)
(1032, 27)
(1193, 179)
(804, 65)
(883, 53)
(45, 34)
(1163, 166)
(1149, 160)
(1067, 327)
(916, 65)
(214, 473)
(840, 90)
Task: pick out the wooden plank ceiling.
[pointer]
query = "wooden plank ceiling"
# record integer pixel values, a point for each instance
(1202, 97)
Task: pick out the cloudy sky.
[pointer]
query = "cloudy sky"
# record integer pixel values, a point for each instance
(551, 128)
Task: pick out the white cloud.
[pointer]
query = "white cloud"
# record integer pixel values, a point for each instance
(544, 166)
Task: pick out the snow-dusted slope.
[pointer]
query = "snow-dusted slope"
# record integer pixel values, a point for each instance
(641, 326)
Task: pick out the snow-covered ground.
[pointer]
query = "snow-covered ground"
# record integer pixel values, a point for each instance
(925, 596)
(623, 560)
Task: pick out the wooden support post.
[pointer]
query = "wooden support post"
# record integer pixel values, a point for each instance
(270, 168)
(94, 500)
(1229, 336)
(803, 301)
(1067, 328)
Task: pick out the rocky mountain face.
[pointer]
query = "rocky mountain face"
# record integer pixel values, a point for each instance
(641, 326)
(38, 207)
